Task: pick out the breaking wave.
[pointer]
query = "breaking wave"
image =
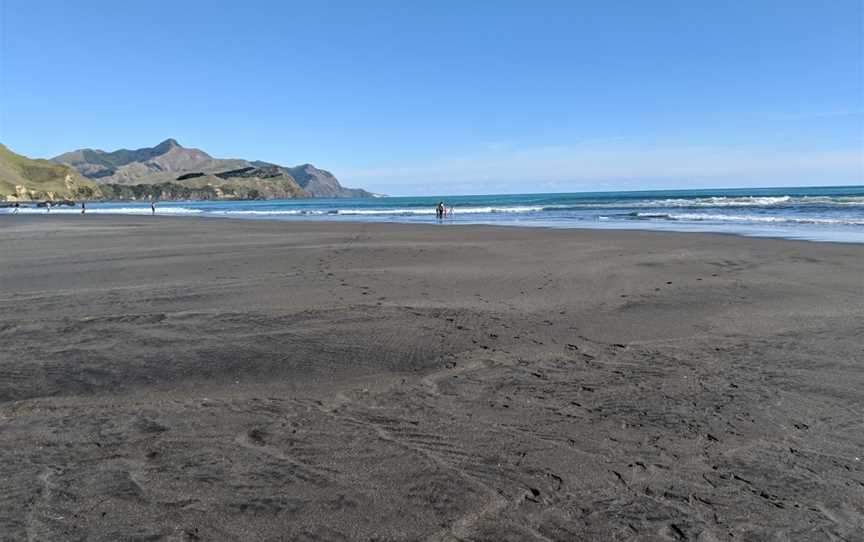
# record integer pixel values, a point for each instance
(699, 217)
(828, 213)
(718, 201)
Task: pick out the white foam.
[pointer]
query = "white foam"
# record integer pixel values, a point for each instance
(431, 210)
(272, 212)
(753, 218)
(719, 201)
(146, 210)
(419, 211)
(107, 210)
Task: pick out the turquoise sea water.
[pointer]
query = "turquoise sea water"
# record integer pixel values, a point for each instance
(818, 214)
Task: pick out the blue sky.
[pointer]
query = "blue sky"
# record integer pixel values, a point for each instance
(453, 97)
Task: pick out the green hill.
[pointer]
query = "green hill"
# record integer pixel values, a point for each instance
(25, 179)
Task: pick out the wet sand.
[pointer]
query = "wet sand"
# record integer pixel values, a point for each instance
(207, 379)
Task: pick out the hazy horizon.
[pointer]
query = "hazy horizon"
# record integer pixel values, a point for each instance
(488, 98)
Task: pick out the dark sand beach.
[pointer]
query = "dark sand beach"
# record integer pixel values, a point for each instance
(207, 379)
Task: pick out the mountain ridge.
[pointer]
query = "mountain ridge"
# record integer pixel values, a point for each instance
(146, 165)
(170, 162)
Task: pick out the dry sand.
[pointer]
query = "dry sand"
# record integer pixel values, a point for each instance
(206, 379)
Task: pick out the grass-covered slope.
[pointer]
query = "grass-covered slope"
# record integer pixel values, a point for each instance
(25, 179)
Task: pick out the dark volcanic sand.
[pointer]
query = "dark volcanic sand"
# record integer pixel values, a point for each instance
(195, 379)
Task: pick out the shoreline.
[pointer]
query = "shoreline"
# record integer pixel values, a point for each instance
(819, 214)
(708, 230)
(267, 379)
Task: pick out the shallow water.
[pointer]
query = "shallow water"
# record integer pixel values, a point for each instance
(818, 214)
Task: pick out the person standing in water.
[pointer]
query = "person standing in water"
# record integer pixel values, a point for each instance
(83, 208)
(439, 210)
(15, 208)
(153, 207)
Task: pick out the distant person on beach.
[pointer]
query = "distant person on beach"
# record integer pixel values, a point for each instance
(47, 206)
(439, 210)
(450, 212)
(15, 208)
(83, 208)
(153, 207)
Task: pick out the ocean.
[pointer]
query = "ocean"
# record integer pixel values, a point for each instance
(834, 214)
